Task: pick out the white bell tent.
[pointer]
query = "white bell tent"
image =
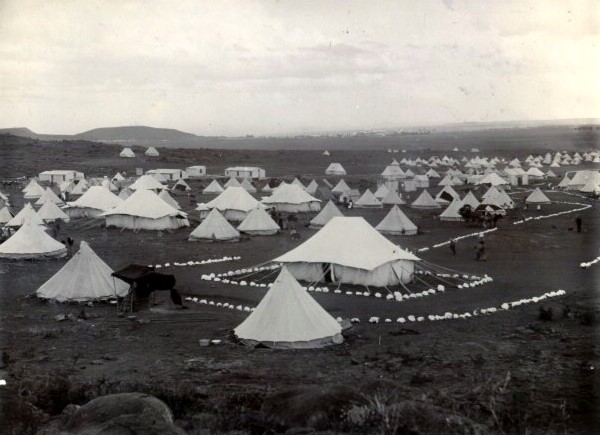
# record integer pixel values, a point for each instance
(84, 278)
(349, 250)
(289, 318)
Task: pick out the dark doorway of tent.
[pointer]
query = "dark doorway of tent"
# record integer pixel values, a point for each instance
(327, 273)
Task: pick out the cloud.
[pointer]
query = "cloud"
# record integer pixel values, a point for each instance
(237, 67)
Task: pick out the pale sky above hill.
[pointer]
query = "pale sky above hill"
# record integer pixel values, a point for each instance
(278, 67)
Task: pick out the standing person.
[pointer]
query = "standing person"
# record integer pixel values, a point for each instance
(495, 220)
(294, 232)
(453, 247)
(70, 242)
(284, 223)
(480, 254)
(578, 223)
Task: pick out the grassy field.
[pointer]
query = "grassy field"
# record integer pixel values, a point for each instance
(508, 372)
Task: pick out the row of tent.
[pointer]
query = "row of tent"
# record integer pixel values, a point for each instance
(147, 210)
(215, 187)
(548, 159)
(286, 317)
(455, 176)
(292, 197)
(235, 202)
(378, 262)
(582, 181)
(128, 152)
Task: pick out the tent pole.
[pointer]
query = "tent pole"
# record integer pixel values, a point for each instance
(115, 288)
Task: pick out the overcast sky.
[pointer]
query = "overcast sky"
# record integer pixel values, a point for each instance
(278, 67)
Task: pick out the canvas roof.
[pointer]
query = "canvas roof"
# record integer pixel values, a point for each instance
(392, 198)
(109, 185)
(312, 187)
(247, 185)
(213, 187)
(81, 187)
(347, 241)
(125, 193)
(232, 182)
(258, 220)
(26, 214)
(33, 184)
(234, 198)
(287, 314)
(289, 194)
(5, 215)
(127, 152)
(146, 204)
(181, 184)
(336, 169)
(592, 186)
(164, 195)
(381, 191)
(33, 190)
(85, 277)
(425, 200)
(31, 241)
(146, 182)
(326, 214)
(298, 183)
(215, 227)
(393, 170)
(445, 194)
(97, 197)
(471, 200)
(51, 212)
(151, 151)
(535, 172)
(451, 211)
(537, 197)
(367, 199)
(48, 195)
(396, 221)
(493, 178)
(340, 187)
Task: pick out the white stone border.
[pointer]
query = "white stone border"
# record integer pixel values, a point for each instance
(409, 318)
(586, 265)
(395, 296)
(196, 262)
(546, 216)
(447, 242)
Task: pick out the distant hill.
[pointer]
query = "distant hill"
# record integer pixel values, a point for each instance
(560, 134)
(19, 131)
(135, 134)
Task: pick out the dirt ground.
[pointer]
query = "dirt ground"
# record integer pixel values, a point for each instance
(508, 372)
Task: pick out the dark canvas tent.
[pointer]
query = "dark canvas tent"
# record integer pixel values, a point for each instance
(144, 280)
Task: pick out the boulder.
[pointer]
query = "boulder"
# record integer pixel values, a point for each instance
(116, 414)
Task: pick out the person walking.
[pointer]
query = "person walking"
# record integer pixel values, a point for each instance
(578, 223)
(452, 247)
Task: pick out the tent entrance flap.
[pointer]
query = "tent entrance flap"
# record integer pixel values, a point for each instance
(404, 270)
